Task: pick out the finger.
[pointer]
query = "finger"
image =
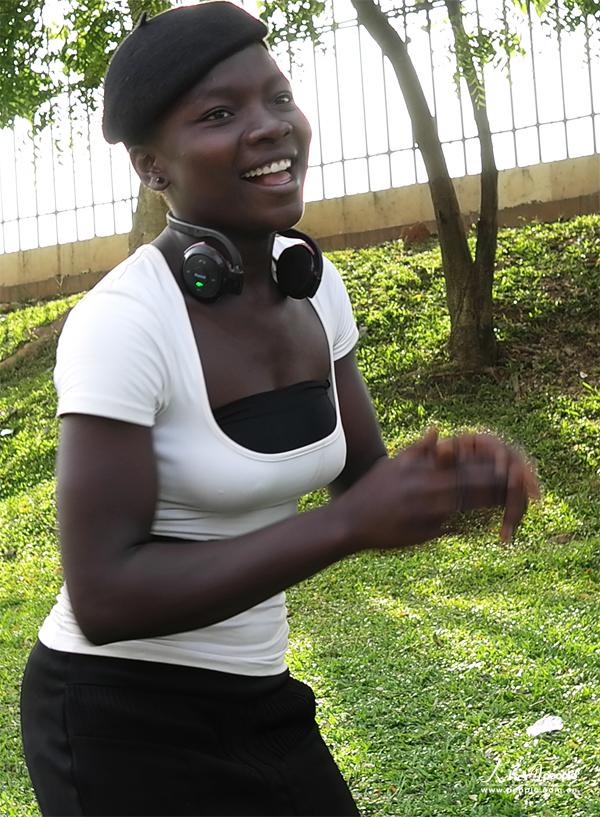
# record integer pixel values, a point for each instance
(465, 447)
(490, 447)
(516, 502)
(487, 447)
(456, 449)
(528, 476)
(446, 452)
(477, 486)
(502, 460)
(430, 438)
(510, 457)
(425, 445)
(468, 447)
(505, 456)
(470, 444)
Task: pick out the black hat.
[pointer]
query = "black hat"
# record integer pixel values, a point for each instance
(163, 57)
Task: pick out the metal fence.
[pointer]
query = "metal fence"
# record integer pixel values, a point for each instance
(544, 105)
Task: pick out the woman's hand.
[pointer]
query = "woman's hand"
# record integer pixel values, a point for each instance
(407, 499)
(509, 465)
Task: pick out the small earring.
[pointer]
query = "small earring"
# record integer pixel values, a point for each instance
(159, 180)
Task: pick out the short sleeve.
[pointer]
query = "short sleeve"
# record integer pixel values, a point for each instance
(109, 361)
(335, 300)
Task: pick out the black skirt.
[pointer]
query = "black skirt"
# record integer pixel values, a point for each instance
(112, 736)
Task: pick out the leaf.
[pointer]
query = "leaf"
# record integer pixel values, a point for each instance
(291, 21)
(41, 57)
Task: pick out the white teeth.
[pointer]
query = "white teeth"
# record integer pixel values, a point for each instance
(274, 167)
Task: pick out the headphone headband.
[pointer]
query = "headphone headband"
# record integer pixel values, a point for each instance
(187, 228)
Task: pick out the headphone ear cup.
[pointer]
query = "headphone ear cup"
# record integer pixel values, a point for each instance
(204, 271)
(297, 276)
(207, 272)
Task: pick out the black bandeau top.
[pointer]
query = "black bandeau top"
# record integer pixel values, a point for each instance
(280, 420)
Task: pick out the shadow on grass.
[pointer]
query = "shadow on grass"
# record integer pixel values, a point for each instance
(543, 397)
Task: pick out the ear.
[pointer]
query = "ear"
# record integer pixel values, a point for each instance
(148, 168)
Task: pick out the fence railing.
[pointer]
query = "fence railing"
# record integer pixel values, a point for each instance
(66, 184)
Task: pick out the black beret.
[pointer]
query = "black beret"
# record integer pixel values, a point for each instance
(163, 57)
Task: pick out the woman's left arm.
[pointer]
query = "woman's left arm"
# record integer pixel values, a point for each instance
(363, 435)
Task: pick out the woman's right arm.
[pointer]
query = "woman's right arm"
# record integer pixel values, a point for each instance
(125, 585)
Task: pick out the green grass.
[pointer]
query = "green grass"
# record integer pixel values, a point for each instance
(428, 664)
(18, 325)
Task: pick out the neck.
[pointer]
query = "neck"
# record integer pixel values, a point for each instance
(256, 255)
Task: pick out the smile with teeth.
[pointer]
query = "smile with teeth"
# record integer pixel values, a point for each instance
(274, 167)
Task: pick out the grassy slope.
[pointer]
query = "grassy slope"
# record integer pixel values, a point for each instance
(16, 326)
(429, 665)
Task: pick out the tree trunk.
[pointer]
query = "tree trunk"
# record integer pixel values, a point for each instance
(478, 298)
(471, 341)
(149, 218)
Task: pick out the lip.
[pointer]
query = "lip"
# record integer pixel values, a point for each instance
(290, 187)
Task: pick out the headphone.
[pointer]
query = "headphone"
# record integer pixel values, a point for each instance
(213, 266)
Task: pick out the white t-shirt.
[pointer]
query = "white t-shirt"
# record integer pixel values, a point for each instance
(128, 352)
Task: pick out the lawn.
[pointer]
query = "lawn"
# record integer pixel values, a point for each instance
(428, 665)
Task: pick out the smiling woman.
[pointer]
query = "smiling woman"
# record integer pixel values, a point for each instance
(205, 385)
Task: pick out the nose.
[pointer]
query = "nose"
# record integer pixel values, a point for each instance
(269, 127)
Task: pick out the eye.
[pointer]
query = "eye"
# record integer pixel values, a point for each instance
(216, 115)
(284, 98)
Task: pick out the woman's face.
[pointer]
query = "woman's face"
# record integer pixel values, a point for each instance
(234, 149)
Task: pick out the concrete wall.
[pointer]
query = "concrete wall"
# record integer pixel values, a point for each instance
(545, 192)
(62, 269)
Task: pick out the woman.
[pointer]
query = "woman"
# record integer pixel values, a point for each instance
(190, 425)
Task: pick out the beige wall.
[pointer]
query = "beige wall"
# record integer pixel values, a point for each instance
(545, 191)
(64, 268)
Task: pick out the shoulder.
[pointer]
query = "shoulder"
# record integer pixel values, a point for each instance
(113, 354)
(138, 277)
(125, 318)
(133, 291)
